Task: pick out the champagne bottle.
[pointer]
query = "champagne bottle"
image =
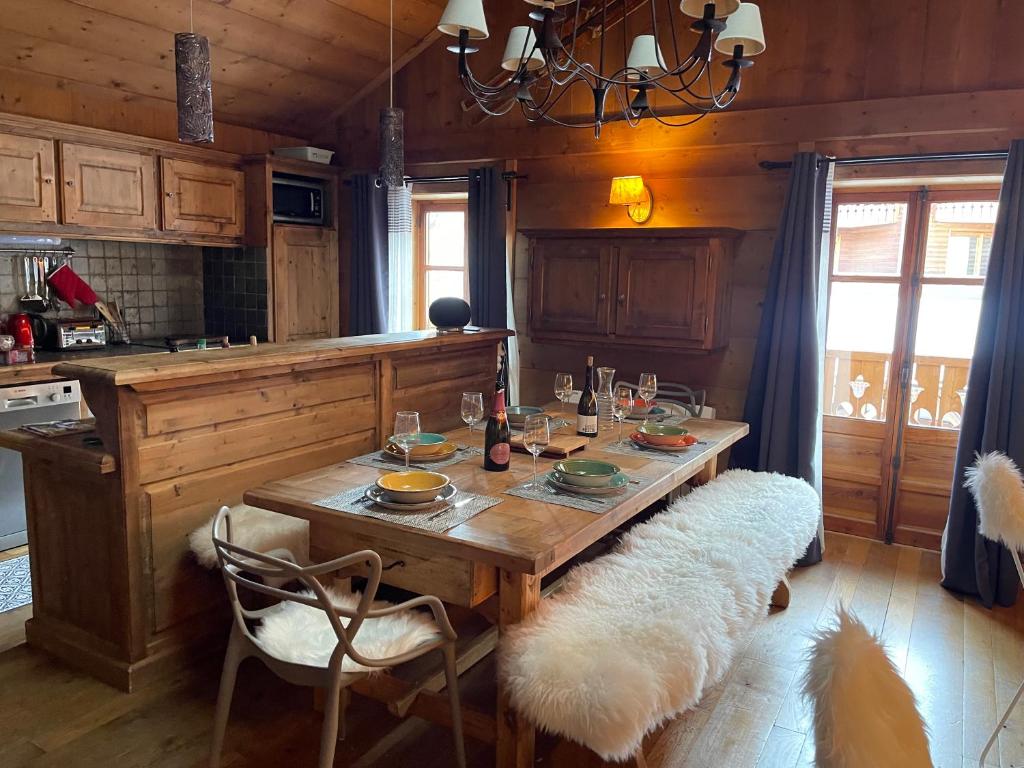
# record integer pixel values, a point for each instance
(497, 437)
(586, 411)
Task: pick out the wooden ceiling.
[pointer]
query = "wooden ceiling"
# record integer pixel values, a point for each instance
(289, 66)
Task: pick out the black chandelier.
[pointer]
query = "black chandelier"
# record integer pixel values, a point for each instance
(542, 62)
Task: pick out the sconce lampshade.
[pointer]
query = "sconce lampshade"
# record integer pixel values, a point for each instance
(464, 14)
(742, 28)
(521, 45)
(627, 190)
(695, 8)
(645, 55)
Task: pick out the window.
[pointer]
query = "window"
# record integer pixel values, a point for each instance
(440, 253)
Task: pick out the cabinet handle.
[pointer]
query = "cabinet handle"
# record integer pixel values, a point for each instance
(622, 298)
(602, 296)
(70, 182)
(47, 181)
(170, 194)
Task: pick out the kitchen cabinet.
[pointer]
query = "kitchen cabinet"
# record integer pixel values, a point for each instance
(658, 287)
(305, 282)
(27, 173)
(202, 198)
(106, 187)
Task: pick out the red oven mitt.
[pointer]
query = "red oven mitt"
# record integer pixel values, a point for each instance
(70, 288)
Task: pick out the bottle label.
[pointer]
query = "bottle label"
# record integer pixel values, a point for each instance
(586, 424)
(500, 453)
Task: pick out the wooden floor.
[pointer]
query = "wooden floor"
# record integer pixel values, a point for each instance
(963, 663)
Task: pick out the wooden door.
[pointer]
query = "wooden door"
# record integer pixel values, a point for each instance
(27, 191)
(305, 283)
(571, 288)
(105, 187)
(206, 199)
(662, 290)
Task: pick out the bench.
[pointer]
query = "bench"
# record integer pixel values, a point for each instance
(637, 635)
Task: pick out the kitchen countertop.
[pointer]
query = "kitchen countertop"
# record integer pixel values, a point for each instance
(42, 368)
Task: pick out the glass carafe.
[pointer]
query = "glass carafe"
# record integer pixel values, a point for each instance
(605, 382)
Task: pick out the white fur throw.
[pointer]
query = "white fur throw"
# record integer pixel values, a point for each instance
(637, 635)
(864, 714)
(302, 634)
(256, 529)
(998, 491)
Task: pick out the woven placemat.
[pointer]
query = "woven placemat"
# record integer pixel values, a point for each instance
(380, 461)
(549, 494)
(629, 448)
(439, 518)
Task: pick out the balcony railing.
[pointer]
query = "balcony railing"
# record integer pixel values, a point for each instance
(857, 385)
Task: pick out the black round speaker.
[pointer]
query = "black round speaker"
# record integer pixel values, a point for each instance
(449, 314)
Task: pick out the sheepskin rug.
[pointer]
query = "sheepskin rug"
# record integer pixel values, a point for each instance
(302, 634)
(998, 490)
(865, 716)
(637, 635)
(255, 529)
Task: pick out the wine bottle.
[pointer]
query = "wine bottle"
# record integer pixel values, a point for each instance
(586, 411)
(497, 437)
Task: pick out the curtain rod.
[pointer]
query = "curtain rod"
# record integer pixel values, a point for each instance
(506, 176)
(773, 165)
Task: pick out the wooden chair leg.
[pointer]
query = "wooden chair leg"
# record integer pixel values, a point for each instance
(232, 658)
(781, 595)
(451, 678)
(329, 729)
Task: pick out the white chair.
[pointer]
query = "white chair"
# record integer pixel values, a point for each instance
(322, 639)
(689, 400)
(998, 490)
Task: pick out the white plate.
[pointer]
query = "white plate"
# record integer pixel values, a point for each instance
(584, 491)
(380, 498)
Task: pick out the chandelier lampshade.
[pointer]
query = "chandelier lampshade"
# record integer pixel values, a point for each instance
(743, 28)
(521, 50)
(464, 15)
(695, 8)
(645, 55)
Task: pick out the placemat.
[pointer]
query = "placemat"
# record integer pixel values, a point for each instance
(597, 504)
(674, 457)
(439, 518)
(378, 460)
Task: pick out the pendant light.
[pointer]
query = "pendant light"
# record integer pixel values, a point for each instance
(392, 128)
(194, 85)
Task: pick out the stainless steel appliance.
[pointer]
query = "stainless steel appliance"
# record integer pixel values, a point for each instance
(298, 200)
(58, 334)
(20, 405)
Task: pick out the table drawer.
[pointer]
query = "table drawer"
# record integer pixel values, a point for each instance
(456, 581)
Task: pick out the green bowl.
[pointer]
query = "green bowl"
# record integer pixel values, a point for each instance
(586, 473)
(427, 444)
(517, 413)
(662, 434)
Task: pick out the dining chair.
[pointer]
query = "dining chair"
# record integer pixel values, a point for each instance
(998, 489)
(318, 638)
(690, 400)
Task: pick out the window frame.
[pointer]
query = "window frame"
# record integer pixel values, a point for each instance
(421, 209)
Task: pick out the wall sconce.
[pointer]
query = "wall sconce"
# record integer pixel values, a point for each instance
(633, 193)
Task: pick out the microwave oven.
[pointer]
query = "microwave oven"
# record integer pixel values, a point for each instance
(298, 200)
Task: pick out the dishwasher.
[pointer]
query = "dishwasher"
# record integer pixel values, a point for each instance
(20, 405)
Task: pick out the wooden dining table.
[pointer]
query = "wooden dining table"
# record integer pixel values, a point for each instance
(492, 563)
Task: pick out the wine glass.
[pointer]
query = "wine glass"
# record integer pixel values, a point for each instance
(622, 405)
(648, 389)
(407, 432)
(563, 387)
(472, 410)
(536, 436)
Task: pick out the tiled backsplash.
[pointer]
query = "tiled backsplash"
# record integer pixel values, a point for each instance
(235, 292)
(158, 287)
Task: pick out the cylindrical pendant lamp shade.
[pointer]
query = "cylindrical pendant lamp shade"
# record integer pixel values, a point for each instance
(645, 55)
(695, 8)
(392, 147)
(743, 28)
(195, 89)
(464, 14)
(521, 46)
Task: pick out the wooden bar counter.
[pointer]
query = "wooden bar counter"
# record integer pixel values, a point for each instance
(116, 591)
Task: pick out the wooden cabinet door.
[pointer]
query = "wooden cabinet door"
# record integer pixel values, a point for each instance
(662, 290)
(305, 281)
(206, 199)
(571, 287)
(105, 187)
(27, 191)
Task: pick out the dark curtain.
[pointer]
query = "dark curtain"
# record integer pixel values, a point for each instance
(486, 256)
(783, 406)
(993, 414)
(368, 291)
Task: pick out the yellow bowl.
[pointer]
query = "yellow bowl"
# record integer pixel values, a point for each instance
(427, 444)
(412, 487)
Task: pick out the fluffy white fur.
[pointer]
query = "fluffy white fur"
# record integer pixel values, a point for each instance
(998, 490)
(637, 635)
(304, 635)
(257, 529)
(865, 716)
